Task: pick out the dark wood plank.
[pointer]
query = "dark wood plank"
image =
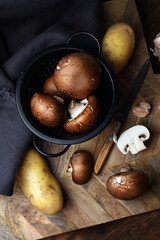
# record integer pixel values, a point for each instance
(145, 226)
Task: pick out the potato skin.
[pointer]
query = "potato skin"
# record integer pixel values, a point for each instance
(38, 184)
(118, 45)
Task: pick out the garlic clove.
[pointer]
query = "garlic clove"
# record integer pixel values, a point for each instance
(140, 112)
(145, 105)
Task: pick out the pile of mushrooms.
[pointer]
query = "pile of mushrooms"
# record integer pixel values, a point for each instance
(67, 98)
(142, 110)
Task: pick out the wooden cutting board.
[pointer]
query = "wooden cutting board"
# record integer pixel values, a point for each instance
(91, 204)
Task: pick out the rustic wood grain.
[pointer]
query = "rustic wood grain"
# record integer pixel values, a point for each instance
(5, 232)
(145, 226)
(91, 204)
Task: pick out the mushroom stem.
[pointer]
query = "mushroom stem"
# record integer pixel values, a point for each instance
(72, 104)
(69, 169)
(75, 108)
(61, 100)
(136, 145)
(115, 139)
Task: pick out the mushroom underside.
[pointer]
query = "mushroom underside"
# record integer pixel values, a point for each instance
(83, 115)
(133, 139)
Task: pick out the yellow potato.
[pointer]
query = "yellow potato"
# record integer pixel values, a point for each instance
(38, 184)
(118, 45)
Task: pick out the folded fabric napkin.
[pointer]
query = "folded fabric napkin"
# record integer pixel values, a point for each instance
(26, 28)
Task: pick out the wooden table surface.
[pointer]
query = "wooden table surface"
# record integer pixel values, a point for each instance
(144, 226)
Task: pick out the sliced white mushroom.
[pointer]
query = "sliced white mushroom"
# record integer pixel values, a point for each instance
(132, 140)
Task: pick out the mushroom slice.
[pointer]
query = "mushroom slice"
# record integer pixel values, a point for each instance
(83, 115)
(132, 139)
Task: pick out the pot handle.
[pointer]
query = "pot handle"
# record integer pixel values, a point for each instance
(88, 34)
(49, 154)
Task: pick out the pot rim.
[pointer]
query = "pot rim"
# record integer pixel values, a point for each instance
(90, 133)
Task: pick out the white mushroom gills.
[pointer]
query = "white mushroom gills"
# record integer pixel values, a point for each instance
(132, 140)
(156, 50)
(75, 108)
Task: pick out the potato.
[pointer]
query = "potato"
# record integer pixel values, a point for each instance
(118, 45)
(38, 184)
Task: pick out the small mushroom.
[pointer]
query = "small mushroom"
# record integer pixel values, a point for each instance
(132, 139)
(83, 115)
(81, 166)
(127, 185)
(77, 75)
(48, 110)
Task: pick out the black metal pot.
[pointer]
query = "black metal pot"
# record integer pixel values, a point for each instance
(32, 80)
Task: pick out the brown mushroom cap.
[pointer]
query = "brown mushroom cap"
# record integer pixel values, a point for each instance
(86, 119)
(48, 110)
(127, 185)
(50, 88)
(82, 166)
(77, 75)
